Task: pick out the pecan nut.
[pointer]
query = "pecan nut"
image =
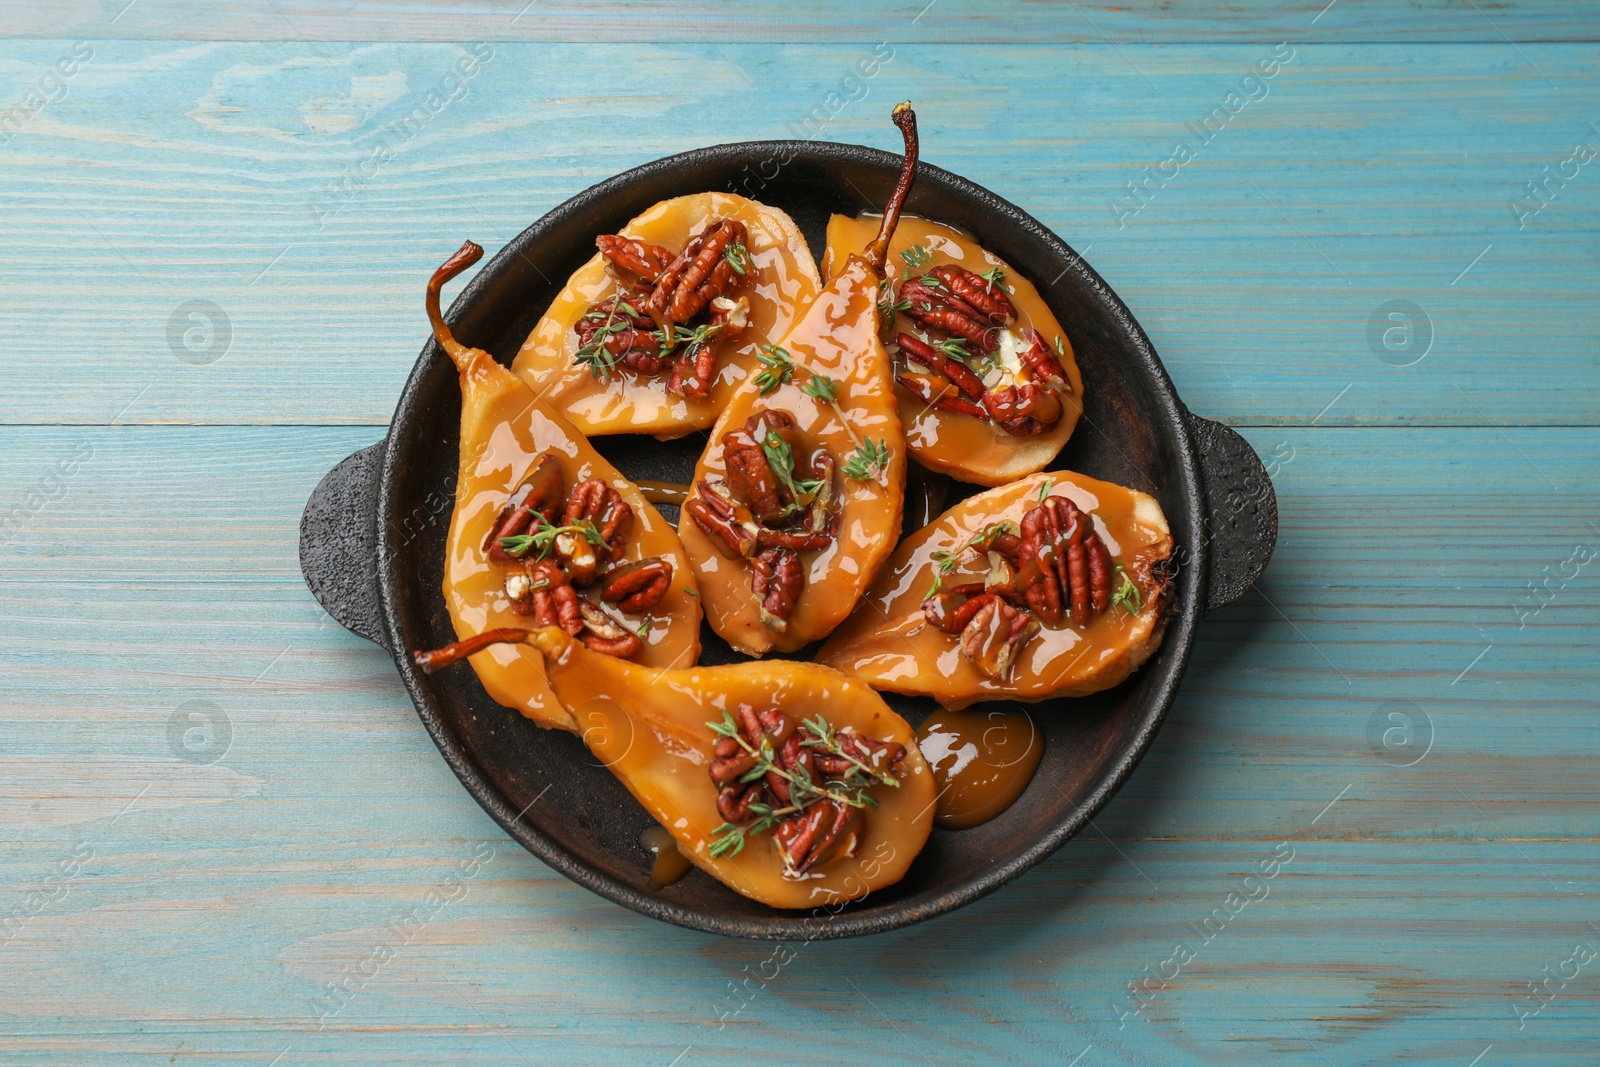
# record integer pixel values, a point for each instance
(777, 579)
(602, 506)
(601, 633)
(727, 522)
(826, 830)
(751, 478)
(701, 273)
(647, 261)
(637, 586)
(540, 492)
(543, 591)
(1063, 564)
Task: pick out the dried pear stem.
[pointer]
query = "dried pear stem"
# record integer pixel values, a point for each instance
(465, 256)
(460, 650)
(878, 250)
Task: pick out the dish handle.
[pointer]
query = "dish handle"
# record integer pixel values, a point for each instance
(339, 543)
(1241, 510)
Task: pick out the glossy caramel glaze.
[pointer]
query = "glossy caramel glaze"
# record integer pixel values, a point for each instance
(786, 282)
(981, 760)
(504, 430)
(965, 447)
(891, 646)
(670, 863)
(649, 727)
(674, 493)
(839, 338)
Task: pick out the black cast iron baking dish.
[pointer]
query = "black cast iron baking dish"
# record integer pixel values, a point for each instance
(372, 542)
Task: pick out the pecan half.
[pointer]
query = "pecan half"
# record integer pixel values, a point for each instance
(637, 586)
(542, 590)
(936, 308)
(1040, 358)
(699, 274)
(595, 502)
(631, 337)
(977, 297)
(750, 476)
(991, 629)
(1063, 564)
(540, 491)
(778, 579)
(601, 633)
(729, 523)
(647, 261)
(824, 831)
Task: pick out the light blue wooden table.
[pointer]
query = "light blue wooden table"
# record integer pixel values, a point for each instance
(227, 838)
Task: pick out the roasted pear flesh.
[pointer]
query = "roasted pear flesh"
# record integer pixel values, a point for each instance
(988, 387)
(655, 333)
(1056, 585)
(790, 783)
(546, 531)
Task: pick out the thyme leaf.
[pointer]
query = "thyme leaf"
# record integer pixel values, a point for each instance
(543, 537)
(777, 367)
(916, 257)
(1127, 596)
(738, 257)
(868, 461)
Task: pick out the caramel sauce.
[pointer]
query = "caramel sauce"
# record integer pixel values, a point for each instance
(839, 338)
(664, 492)
(889, 644)
(504, 430)
(981, 760)
(965, 447)
(785, 284)
(649, 728)
(670, 862)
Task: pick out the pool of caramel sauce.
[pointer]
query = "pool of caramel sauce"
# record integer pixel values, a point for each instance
(982, 760)
(670, 863)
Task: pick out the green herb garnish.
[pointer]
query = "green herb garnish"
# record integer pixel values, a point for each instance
(1127, 595)
(869, 460)
(777, 368)
(738, 257)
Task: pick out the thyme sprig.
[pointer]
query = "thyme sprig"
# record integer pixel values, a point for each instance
(777, 368)
(1128, 597)
(868, 461)
(602, 364)
(738, 257)
(993, 276)
(544, 534)
(780, 457)
(947, 560)
(916, 257)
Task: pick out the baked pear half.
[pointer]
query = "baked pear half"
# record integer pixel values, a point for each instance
(655, 333)
(1056, 585)
(545, 530)
(988, 387)
(792, 784)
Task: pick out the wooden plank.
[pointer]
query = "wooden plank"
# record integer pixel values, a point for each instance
(920, 21)
(1366, 174)
(201, 599)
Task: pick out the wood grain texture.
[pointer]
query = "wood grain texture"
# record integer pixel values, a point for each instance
(920, 21)
(1364, 175)
(226, 838)
(1405, 928)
